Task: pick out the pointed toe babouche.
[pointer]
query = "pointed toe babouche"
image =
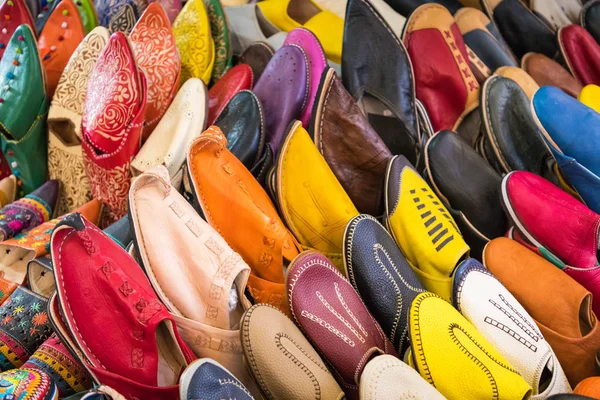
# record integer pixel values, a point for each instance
(590, 96)
(581, 53)
(23, 109)
(113, 118)
(87, 13)
(119, 15)
(18, 14)
(65, 158)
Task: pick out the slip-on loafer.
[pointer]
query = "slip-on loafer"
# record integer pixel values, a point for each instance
(380, 378)
(469, 188)
(378, 73)
(242, 123)
(311, 200)
(317, 63)
(58, 40)
(356, 154)
(181, 124)
(146, 353)
(547, 72)
(511, 139)
(18, 14)
(207, 379)
(257, 56)
(444, 81)
(219, 29)
(235, 80)
(112, 122)
(281, 360)
(23, 111)
(119, 15)
(27, 385)
(557, 12)
(561, 131)
(590, 17)
(486, 49)
(192, 269)
(538, 210)
(65, 371)
(158, 60)
(65, 158)
(283, 91)
(447, 348)
(581, 53)
(522, 29)
(522, 78)
(194, 42)
(499, 317)
(334, 318)
(42, 17)
(565, 318)
(8, 190)
(236, 206)
(422, 227)
(590, 96)
(407, 7)
(376, 267)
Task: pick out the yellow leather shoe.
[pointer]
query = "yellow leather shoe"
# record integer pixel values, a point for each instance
(290, 14)
(455, 358)
(312, 201)
(194, 42)
(590, 96)
(422, 227)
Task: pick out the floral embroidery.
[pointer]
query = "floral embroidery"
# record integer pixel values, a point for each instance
(220, 35)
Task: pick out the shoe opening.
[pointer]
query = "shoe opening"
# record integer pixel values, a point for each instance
(170, 357)
(65, 130)
(587, 321)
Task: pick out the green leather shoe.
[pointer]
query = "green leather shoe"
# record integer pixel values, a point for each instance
(219, 30)
(88, 15)
(23, 109)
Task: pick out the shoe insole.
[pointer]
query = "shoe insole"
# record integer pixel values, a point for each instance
(586, 322)
(13, 261)
(64, 129)
(302, 10)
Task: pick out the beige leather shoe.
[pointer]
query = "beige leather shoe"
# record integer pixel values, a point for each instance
(282, 361)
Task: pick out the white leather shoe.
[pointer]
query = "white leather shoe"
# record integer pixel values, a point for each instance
(557, 12)
(499, 317)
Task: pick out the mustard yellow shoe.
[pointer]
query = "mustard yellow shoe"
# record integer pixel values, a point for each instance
(194, 42)
(455, 358)
(422, 227)
(8, 190)
(312, 201)
(290, 14)
(590, 96)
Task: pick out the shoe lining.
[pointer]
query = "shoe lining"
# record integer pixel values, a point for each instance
(171, 360)
(586, 320)
(65, 131)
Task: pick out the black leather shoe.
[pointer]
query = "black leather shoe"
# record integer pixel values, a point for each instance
(381, 275)
(207, 379)
(377, 72)
(521, 28)
(590, 18)
(469, 188)
(243, 125)
(512, 140)
(406, 7)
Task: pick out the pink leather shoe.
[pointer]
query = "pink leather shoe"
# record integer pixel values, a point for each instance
(563, 229)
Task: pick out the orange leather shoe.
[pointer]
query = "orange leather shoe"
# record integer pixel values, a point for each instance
(60, 37)
(15, 13)
(589, 387)
(235, 204)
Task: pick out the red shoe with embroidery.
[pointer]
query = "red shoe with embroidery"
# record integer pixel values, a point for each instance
(107, 313)
(235, 80)
(15, 13)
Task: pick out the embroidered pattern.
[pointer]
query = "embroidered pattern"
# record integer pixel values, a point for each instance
(439, 234)
(220, 34)
(23, 214)
(465, 71)
(22, 384)
(68, 168)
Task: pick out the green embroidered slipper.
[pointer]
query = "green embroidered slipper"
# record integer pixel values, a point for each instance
(219, 29)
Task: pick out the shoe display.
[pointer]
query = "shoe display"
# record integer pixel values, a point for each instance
(547, 72)
(581, 53)
(589, 17)
(235, 80)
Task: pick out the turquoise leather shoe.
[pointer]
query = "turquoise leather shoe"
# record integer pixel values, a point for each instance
(23, 109)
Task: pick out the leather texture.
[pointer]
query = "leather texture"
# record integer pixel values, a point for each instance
(569, 396)
(378, 74)
(281, 359)
(581, 53)
(207, 379)
(522, 29)
(23, 111)
(547, 72)
(590, 17)
(356, 154)
(242, 123)
(219, 29)
(443, 80)
(469, 188)
(407, 7)
(87, 13)
(380, 378)
(522, 78)
(422, 228)
(588, 387)
(561, 132)
(488, 305)
(28, 385)
(565, 319)
(557, 12)
(18, 14)
(237, 207)
(283, 90)
(257, 56)
(590, 96)
(195, 289)
(182, 123)
(144, 332)
(311, 200)
(438, 333)
(318, 294)
(248, 25)
(235, 80)
(382, 277)
(511, 137)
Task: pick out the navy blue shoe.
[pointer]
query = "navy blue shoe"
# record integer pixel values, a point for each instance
(207, 379)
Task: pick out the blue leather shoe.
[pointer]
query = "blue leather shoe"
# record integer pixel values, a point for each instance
(207, 379)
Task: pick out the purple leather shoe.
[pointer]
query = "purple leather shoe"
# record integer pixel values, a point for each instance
(334, 318)
(283, 91)
(316, 65)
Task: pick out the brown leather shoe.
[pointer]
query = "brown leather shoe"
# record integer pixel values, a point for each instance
(561, 307)
(547, 72)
